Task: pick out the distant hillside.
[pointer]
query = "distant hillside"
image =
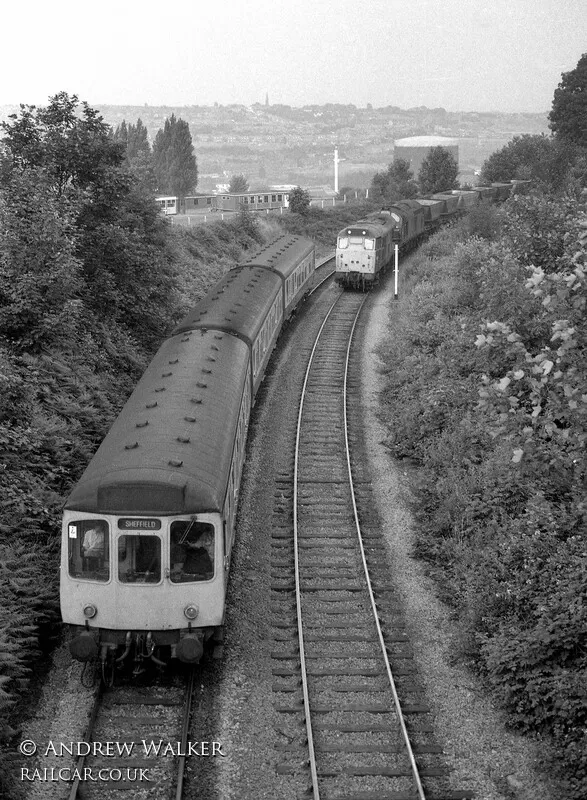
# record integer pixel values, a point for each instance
(284, 144)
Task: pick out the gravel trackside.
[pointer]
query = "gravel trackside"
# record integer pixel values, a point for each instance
(483, 754)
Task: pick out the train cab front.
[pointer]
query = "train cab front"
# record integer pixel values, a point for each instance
(356, 258)
(137, 589)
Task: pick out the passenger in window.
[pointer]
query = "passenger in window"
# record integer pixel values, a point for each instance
(94, 548)
(93, 544)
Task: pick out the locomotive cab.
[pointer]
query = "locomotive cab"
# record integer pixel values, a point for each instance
(159, 581)
(356, 256)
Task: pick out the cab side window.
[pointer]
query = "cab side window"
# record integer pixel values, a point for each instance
(89, 549)
(191, 551)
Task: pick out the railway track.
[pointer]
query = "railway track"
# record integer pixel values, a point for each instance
(138, 740)
(353, 721)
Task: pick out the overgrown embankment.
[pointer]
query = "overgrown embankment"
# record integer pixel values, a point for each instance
(63, 380)
(88, 290)
(486, 395)
(323, 225)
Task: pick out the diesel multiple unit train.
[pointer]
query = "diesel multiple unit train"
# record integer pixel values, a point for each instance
(365, 248)
(148, 529)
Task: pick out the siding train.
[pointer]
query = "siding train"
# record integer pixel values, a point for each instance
(365, 248)
(148, 530)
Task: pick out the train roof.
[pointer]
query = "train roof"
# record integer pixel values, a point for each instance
(169, 451)
(374, 225)
(237, 304)
(282, 255)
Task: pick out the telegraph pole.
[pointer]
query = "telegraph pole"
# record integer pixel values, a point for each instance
(336, 169)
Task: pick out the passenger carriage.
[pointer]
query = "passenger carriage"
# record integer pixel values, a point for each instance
(166, 478)
(171, 460)
(293, 259)
(167, 205)
(246, 303)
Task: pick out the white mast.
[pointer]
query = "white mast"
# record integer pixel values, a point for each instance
(336, 169)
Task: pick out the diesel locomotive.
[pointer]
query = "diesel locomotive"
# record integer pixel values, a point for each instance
(365, 248)
(148, 530)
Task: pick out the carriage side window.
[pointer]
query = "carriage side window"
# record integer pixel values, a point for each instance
(89, 549)
(191, 551)
(139, 558)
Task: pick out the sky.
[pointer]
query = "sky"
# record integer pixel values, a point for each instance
(462, 55)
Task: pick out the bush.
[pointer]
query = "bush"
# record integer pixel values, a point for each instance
(486, 393)
(56, 404)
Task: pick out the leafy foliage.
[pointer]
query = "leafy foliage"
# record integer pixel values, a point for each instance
(396, 183)
(438, 172)
(568, 116)
(299, 200)
(75, 151)
(41, 277)
(174, 160)
(238, 183)
(537, 228)
(134, 138)
(90, 280)
(138, 155)
(323, 224)
(105, 249)
(547, 162)
(486, 393)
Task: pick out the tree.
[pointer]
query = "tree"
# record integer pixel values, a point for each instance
(396, 183)
(545, 161)
(139, 158)
(438, 172)
(74, 150)
(122, 278)
(238, 184)
(134, 138)
(299, 200)
(568, 116)
(174, 159)
(40, 276)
